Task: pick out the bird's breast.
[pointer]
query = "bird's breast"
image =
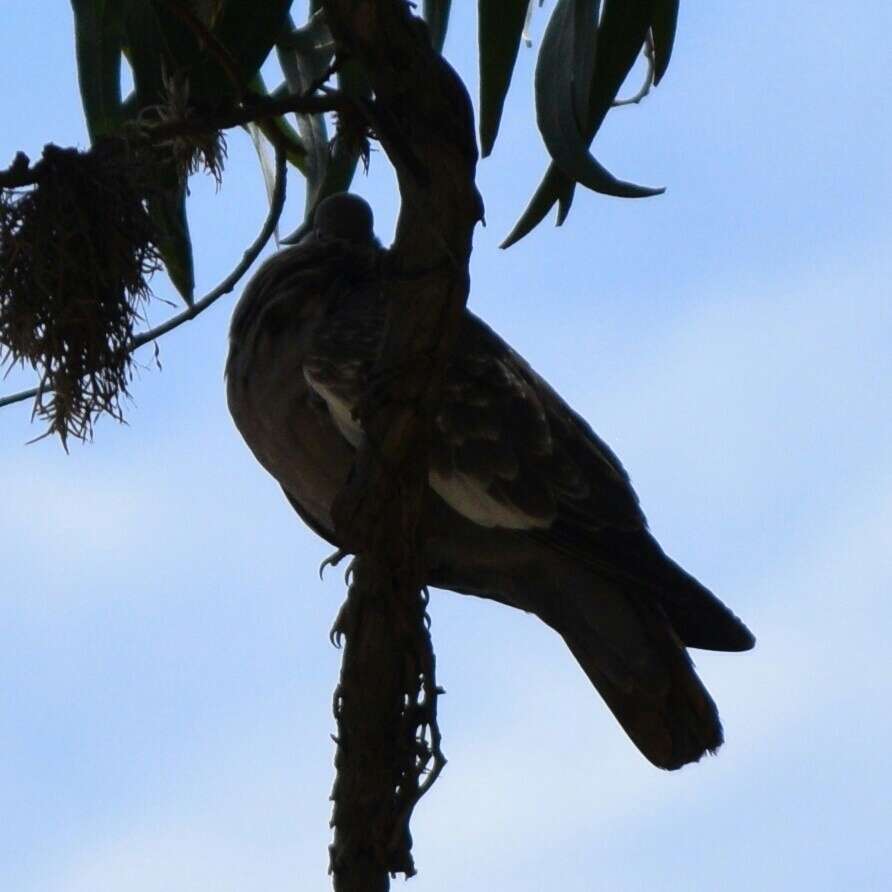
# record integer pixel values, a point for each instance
(283, 422)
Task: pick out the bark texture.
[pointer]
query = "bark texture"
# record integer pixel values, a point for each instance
(385, 705)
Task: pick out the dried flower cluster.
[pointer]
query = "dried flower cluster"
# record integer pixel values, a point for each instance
(191, 149)
(76, 252)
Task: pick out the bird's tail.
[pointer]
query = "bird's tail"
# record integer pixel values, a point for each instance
(630, 652)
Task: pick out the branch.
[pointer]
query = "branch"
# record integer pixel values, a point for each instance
(20, 397)
(19, 173)
(647, 86)
(253, 108)
(277, 203)
(248, 258)
(388, 740)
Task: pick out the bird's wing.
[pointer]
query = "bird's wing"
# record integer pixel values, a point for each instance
(506, 450)
(508, 453)
(508, 446)
(340, 359)
(504, 436)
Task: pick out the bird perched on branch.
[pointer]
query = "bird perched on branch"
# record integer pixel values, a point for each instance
(527, 506)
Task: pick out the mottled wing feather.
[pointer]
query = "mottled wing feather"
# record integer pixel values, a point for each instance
(564, 469)
(506, 450)
(339, 361)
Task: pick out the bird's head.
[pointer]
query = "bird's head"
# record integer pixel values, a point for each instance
(293, 288)
(344, 216)
(340, 217)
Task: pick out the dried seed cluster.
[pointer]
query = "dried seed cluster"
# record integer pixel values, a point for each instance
(76, 253)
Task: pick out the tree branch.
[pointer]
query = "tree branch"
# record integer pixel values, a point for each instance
(386, 698)
(19, 173)
(20, 397)
(253, 108)
(275, 212)
(648, 83)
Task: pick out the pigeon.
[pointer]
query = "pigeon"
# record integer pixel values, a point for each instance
(527, 506)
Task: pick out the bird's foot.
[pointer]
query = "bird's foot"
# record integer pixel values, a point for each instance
(339, 626)
(345, 618)
(345, 621)
(333, 560)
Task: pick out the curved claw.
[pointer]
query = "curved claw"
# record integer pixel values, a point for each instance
(333, 560)
(338, 627)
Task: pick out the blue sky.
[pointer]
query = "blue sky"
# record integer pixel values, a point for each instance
(165, 672)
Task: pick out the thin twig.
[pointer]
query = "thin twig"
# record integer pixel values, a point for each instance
(275, 212)
(647, 86)
(253, 108)
(20, 397)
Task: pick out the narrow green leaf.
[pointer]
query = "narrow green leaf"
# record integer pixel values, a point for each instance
(563, 78)
(148, 49)
(554, 184)
(248, 30)
(499, 32)
(623, 29)
(624, 25)
(665, 21)
(436, 14)
(308, 52)
(564, 72)
(343, 157)
(305, 55)
(168, 212)
(279, 132)
(97, 30)
(159, 41)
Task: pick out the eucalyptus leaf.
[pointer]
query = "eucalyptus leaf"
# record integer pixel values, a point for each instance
(160, 41)
(564, 72)
(555, 185)
(436, 14)
(665, 21)
(278, 131)
(621, 35)
(305, 58)
(155, 45)
(168, 212)
(248, 30)
(563, 80)
(499, 32)
(265, 156)
(343, 157)
(97, 29)
(314, 49)
(623, 27)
